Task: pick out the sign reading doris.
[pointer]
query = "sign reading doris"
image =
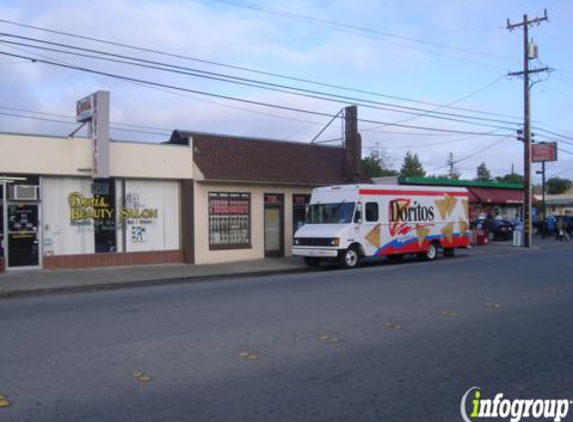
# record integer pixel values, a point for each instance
(83, 208)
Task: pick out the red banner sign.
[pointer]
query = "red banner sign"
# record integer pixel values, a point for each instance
(544, 151)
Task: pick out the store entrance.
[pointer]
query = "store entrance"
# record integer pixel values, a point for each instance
(274, 225)
(23, 235)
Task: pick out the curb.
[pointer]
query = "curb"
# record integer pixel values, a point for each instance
(220, 276)
(146, 283)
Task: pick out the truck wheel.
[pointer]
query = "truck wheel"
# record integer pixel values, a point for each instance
(449, 252)
(430, 254)
(350, 257)
(312, 262)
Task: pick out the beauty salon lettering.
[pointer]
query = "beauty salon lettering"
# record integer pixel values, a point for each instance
(97, 208)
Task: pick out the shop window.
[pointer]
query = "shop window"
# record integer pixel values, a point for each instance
(229, 220)
(299, 204)
(371, 212)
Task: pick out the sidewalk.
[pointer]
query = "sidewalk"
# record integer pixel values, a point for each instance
(495, 248)
(37, 282)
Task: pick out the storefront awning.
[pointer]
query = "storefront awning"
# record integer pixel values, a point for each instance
(494, 196)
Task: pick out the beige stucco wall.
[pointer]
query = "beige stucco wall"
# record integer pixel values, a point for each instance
(25, 154)
(44, 155)
(152, 161)
(201, 194)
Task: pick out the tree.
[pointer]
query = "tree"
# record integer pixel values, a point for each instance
(412, 166)
(453, 171)
(377, 165)
(483, 174)
(557, 185)
(510, 178)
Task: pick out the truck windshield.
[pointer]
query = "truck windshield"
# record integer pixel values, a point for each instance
(330, 213)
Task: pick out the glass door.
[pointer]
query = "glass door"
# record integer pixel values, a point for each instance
(23, 235)
(274, 234)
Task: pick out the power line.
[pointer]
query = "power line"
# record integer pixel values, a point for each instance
(433, 143)
(339, 26)
(479, 151)
(148, 64)
(565, 151)
(44, 119)
(226, 97)
(245, 69)
(555, 134)
(185, 95)
(446, 105)
(67, 116)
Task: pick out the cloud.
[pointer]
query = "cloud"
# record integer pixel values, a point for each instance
(245, 38)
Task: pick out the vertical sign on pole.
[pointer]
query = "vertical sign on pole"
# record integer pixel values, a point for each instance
(94, 109)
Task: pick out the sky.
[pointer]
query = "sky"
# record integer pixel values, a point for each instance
(427, 77)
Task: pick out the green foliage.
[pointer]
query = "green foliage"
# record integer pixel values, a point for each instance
(557, 185)
(510, 178)
(374, 166)
(411, 166)
(483, 174)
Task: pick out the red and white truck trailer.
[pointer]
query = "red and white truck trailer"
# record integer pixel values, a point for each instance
(350, 222)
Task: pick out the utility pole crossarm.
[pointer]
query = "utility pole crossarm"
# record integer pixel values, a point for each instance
(521, 72)
(512, 26)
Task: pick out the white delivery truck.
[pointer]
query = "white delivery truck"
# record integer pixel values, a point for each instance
(350, 222)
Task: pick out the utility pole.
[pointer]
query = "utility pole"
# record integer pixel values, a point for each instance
(527, 55)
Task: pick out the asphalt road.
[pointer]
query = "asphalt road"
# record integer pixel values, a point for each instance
(381, 343)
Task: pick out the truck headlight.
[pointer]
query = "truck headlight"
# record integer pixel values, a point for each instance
(335, 241)
(297, 241)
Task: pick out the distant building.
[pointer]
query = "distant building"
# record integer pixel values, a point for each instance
(556, 204)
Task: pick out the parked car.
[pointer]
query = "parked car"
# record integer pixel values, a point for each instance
(496, 229)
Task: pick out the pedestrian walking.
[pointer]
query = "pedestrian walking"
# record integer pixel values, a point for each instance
(550, 225)
(560, 231)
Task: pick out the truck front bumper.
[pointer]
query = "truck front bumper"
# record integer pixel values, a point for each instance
(315, 252)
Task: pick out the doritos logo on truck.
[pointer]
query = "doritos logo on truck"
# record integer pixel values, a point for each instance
(349, 222)
(401, 210)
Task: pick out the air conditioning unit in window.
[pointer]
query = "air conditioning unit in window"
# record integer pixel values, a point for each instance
(23, 193)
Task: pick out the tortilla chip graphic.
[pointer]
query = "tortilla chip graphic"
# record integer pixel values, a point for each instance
(446, 206)
(441, 205)
(422, 232)
(451, 201)
(373, 236)
(464, 227)
(465, 207)
(448, 232)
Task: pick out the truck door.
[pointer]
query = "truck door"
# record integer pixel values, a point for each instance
(369, 231)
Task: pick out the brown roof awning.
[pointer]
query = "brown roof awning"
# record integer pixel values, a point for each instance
(495, 196)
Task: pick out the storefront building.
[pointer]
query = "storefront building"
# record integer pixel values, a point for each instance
(53, 214)
(554, 204)
(249, 195)
(198, 198)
